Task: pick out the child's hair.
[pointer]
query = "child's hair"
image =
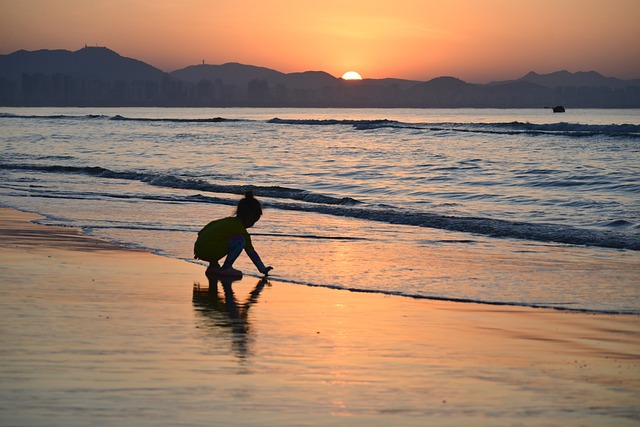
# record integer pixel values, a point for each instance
(249, 207)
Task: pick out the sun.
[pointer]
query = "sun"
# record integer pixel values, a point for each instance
(351, 75)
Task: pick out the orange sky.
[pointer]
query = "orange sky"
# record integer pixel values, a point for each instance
(475, 40)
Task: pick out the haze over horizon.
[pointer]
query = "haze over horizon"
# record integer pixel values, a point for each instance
(475, 41)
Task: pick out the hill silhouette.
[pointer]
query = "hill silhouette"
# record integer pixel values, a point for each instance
(580, 79)
(232, 73)
(98, 76)
(95, 62)
(240, 74)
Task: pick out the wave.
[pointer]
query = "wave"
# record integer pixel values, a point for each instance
(576, 130)
(174, 120)
(506, 128)
(333, 122)
(497, 228)
(300, 200)
(53, 116)
(121, 118)
(172, 181)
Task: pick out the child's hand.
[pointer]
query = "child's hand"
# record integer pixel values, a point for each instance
(266, 270)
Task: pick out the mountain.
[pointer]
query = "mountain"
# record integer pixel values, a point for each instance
(97, 76)
(233, 73)
(230, 73)
(565, 78)
(579, 79)
(309, 79)
(97, 63)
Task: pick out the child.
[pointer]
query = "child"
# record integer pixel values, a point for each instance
(228, 236)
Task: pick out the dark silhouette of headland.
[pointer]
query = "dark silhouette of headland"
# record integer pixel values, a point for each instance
(97, 76)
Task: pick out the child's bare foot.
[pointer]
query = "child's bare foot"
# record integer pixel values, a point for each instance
(229, 272)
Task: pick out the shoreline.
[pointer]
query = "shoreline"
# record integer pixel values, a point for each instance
(364, 290)
(96, 333)
(454, 300)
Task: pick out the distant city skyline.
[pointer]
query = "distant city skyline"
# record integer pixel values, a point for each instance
(476, 41)
(97, 76)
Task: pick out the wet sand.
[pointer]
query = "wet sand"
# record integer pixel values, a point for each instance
(94, 334)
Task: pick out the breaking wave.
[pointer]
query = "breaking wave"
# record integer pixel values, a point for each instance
(118, 117)
(174, 120)
(576, 130)
(300, 200)
(508, 128)
(172, 181)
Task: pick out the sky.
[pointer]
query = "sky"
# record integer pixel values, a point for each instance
(475, 40)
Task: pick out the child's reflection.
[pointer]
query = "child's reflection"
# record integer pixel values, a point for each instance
(223, 311)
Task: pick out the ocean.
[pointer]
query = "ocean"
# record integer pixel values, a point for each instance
(515, 207)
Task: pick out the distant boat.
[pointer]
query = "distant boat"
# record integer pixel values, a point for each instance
(558, 109)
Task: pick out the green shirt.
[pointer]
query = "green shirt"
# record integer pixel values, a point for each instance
(213, 240)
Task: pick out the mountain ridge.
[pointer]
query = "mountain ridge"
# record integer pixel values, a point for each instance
(97, 62)
(61, 77)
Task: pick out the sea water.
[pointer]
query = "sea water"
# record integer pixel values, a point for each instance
(522, 207)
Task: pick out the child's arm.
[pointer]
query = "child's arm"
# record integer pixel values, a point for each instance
(258, 262)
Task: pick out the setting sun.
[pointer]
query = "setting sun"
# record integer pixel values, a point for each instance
(351, 75)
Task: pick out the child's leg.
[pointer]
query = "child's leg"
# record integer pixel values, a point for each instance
(212, 269)
(236, 245)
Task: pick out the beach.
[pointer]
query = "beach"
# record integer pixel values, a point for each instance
(96, 334)
(490, 206)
